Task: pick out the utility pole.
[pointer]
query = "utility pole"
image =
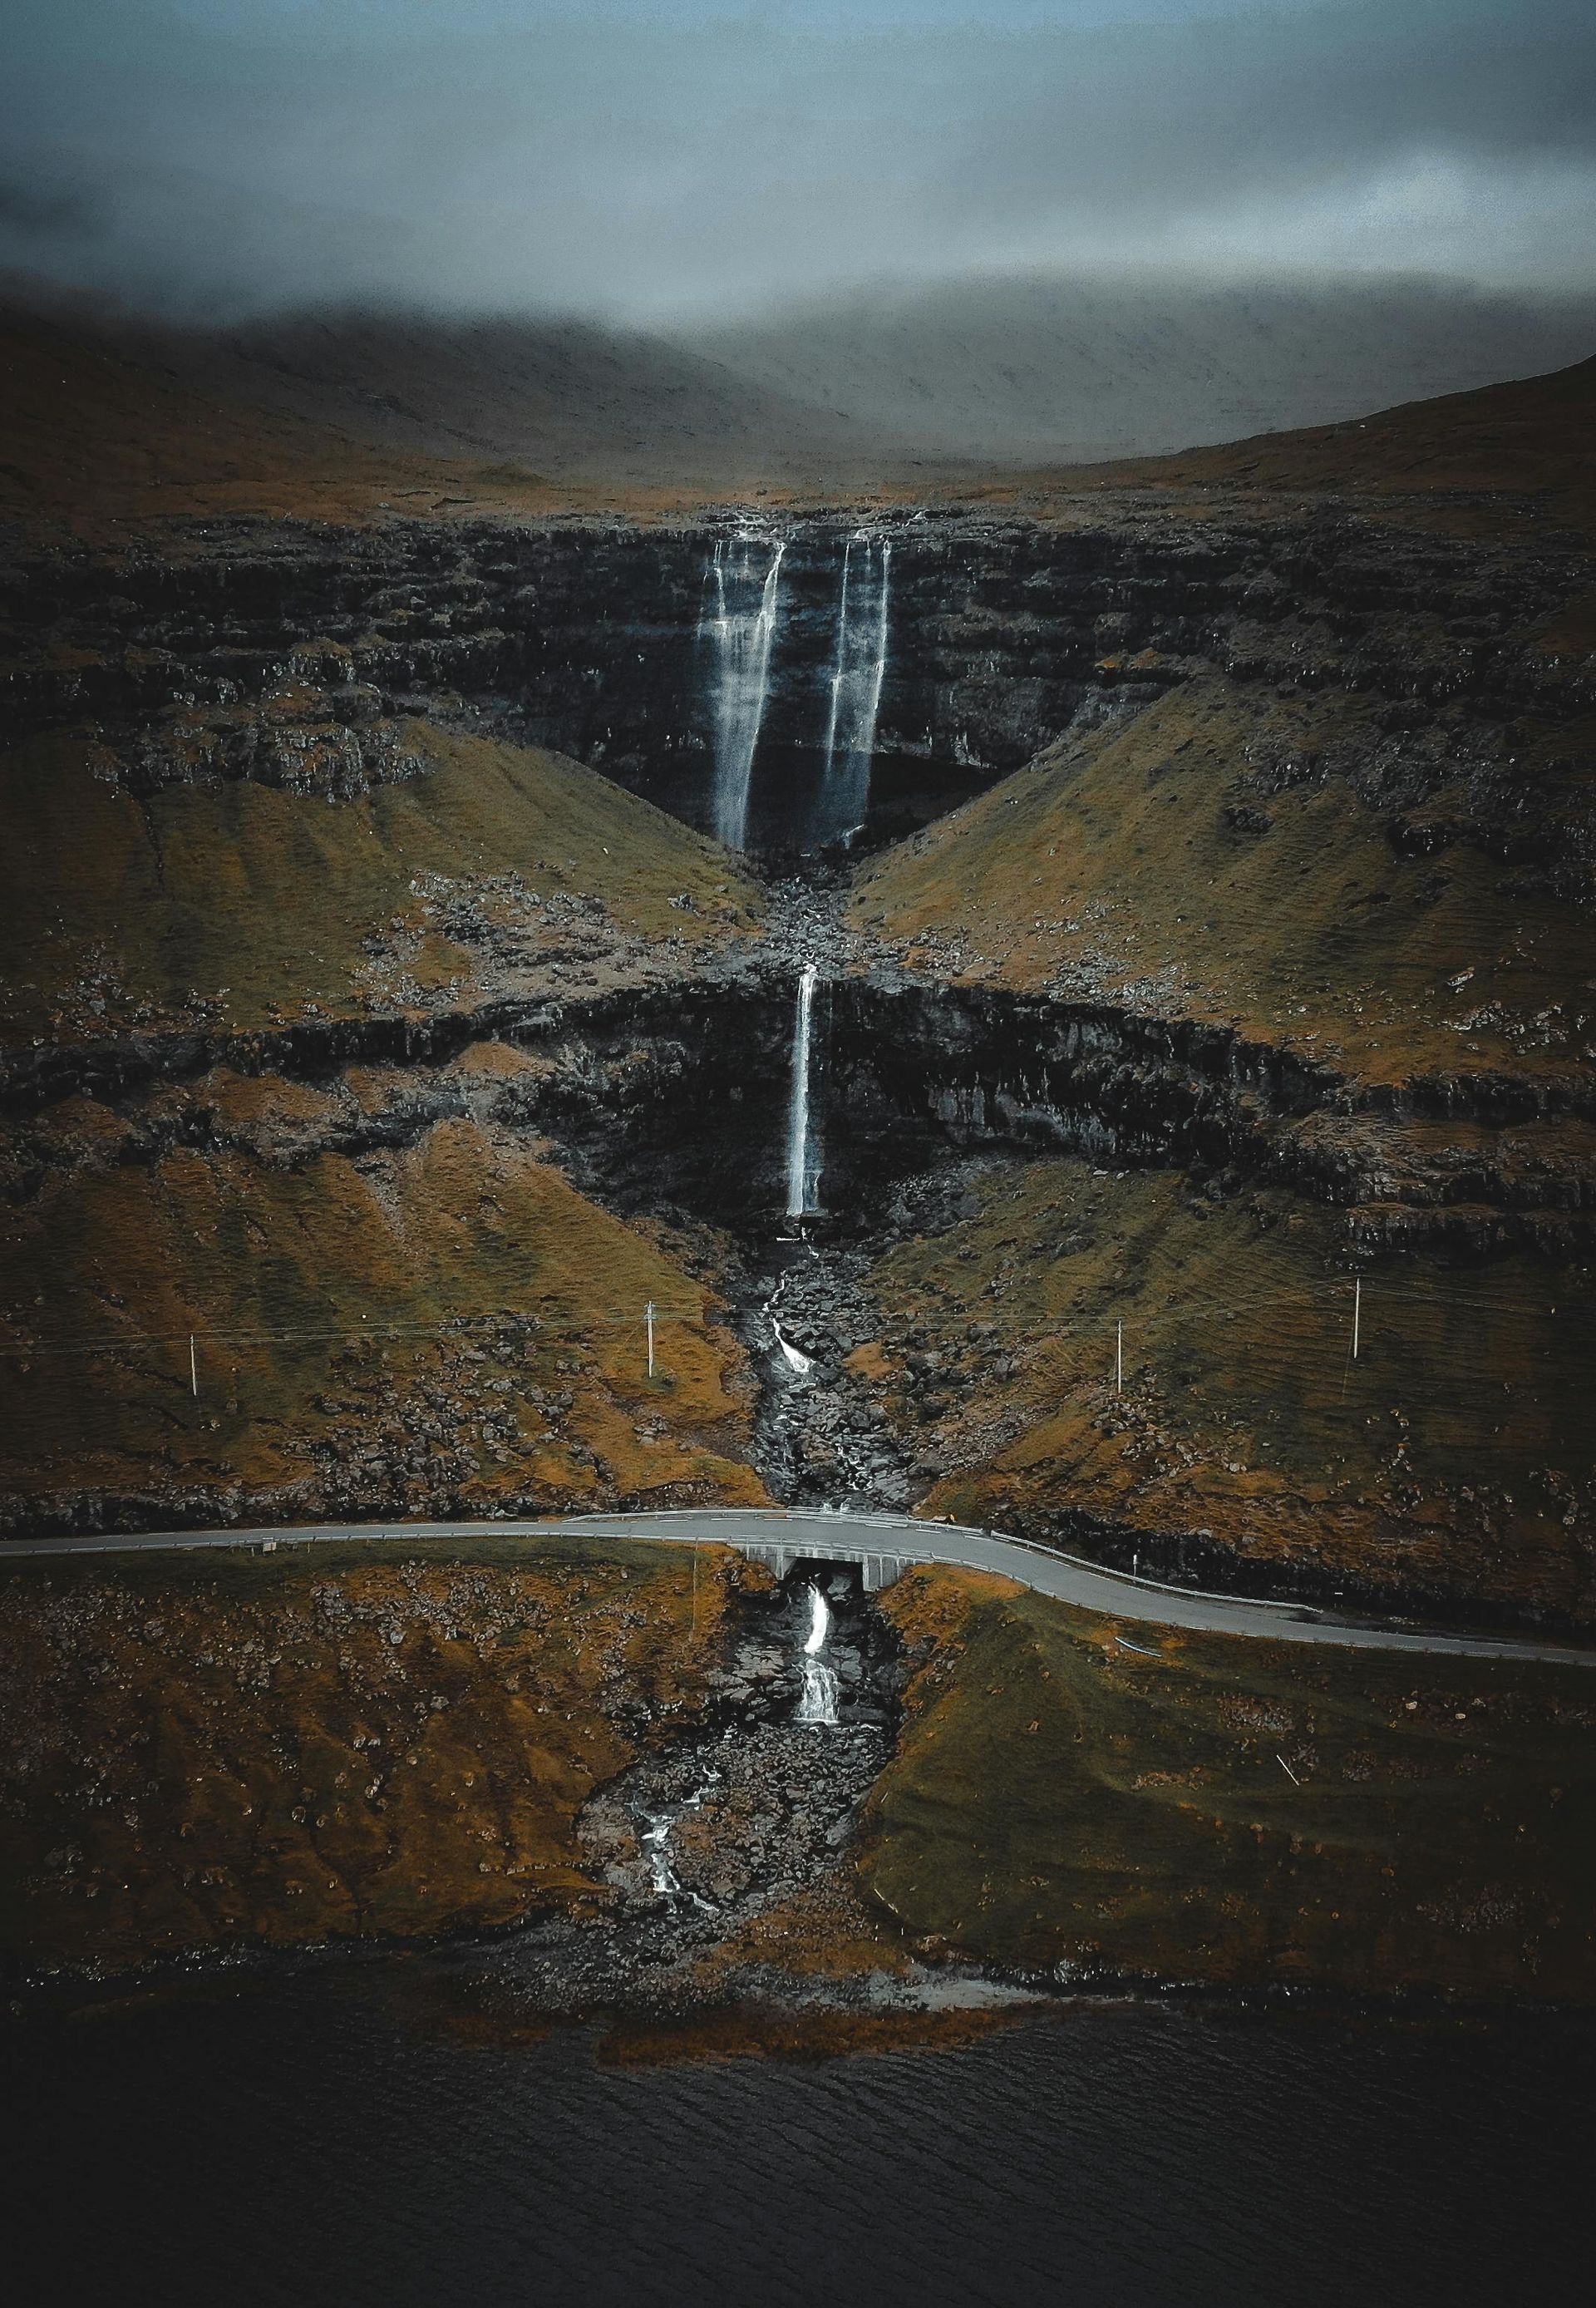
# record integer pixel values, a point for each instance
(650, 1322)
(1118, 1357)
(194, 1368)
(1357, 1312)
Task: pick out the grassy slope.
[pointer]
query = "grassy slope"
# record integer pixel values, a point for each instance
(566, 397)
(103, 433)
(99, 435)
(355, 418)
(1443, 1836)
(290, 1276)
(1503, 458)
(259, 900)
(211, 1750)
(1535, 437)
(1109, 870)
(1455, 1456)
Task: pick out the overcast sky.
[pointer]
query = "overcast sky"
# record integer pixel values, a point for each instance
(654, 159)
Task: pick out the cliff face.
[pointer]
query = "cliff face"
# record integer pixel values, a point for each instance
(1266, 894)
(1001, 635)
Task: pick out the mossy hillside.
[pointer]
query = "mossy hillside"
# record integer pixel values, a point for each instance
(1493, 463)
(1153, 865)
(452, 1324)
(239, 905)
(1058, 1799)
(332, 1743)
(1453, 1459)
(1532, 438)
(100, 441)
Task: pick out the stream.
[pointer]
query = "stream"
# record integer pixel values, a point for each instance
(754, 1806)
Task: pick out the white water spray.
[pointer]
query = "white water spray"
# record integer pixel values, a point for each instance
(817, 1701)
(819, 1622)
(745, 583)
(856, 679)
(797, 1360)
(663, 1878)
(803, 1156)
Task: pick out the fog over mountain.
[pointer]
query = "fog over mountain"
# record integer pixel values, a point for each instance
(666, 163)
(1050, 367)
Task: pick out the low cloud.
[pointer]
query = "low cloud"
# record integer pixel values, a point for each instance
(42, 211)
(655, 166)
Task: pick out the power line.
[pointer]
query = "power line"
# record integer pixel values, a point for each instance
(1162, 1318)
(129, 1340)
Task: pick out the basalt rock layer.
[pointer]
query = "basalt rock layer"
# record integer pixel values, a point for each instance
(291, 653)
(1259, 883)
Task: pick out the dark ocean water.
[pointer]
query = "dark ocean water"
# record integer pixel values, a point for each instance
(301, 2141)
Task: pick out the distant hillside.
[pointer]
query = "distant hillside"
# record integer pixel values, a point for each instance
(1536, 437)
(338, 415)
(333, 416)
(94, 430)
(1070, 371)
(562, 397)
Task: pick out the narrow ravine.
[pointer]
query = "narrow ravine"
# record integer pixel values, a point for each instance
(800, 1290)
(752, 1809)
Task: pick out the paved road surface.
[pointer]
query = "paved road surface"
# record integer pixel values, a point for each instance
(849, 1536)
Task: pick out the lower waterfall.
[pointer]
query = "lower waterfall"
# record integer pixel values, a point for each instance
(817, 1701)
(803, 1158)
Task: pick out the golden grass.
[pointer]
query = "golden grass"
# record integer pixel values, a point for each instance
(105, 441)
(206, 1750)
(243, 904)
(1474, 461)
(1455, 1456)
(1109, 869)
(99, 439)
(293, 1281)
(1056, 1799)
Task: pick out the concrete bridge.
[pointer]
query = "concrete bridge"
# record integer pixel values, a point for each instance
(883, 1546)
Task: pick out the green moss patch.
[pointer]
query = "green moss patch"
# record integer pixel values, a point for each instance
(1235, 1811)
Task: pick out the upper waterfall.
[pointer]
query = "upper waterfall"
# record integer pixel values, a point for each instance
(858, 672)
(803, 1153)
(740, 624)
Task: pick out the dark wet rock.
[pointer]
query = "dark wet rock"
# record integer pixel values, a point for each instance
(287, 652)
(747, 1813)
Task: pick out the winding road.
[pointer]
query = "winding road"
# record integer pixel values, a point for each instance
(888, 1540)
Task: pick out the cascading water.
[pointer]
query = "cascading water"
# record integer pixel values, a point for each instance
(817, 1701)
(740, 625)
(663, 1878)
(803, 1153)
(857, 675)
